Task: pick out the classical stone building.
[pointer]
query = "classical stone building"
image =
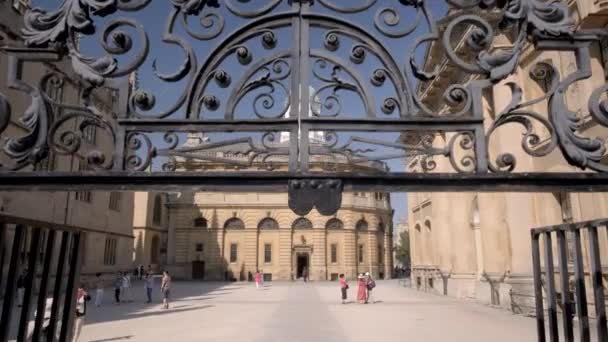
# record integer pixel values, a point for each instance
(150, 221)
(477, 245)
(105, 217)
(231, 235)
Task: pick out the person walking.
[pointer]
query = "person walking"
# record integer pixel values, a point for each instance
(165, 289)
(117, 286)
(370, 284)
(362, 289)
(149, 286)
(126, 287)
(141, 271)
(98, 290)
(82, 297)
(305, 273)
(343, 288)
(258, 279)
(21, 287)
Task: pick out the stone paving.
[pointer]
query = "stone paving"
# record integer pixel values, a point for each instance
(296, 312)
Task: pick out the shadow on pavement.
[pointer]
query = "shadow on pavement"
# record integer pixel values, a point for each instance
(180, 292)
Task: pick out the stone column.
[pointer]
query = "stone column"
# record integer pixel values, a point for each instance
(464, 264)
(506, 232)
(319, 255)
(349, 253)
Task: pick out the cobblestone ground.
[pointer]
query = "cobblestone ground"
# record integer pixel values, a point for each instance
(300, 312)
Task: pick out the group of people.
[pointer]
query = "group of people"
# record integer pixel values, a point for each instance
(123, 288)
(366, 285)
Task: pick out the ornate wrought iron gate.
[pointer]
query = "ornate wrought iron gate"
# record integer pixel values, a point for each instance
(296, 90)
(304, 96)
(576, 244)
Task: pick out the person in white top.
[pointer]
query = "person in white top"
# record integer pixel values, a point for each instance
(82, 297)
(98, 290)
(126, 287)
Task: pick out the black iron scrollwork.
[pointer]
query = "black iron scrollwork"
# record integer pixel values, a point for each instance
(307, 194)
(270, 76)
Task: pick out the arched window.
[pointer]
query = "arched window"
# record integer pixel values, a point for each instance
(381, 226)
(427, 224)
(361, 225)
(334, 223)
(200, 222)
(234, 223)
(268, 223)
(417, 228)
(155, 250)
(301, 223)
(158, 210)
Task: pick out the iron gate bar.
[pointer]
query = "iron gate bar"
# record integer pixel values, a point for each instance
(72, 284)
(29, 284)
(581, 294)
(11, 284)
(61, 261)
(278, 181)
(538, 288)
(579, 274)
(263, 125)
(3, 244)
(550, 282)
(44, 281)
(598, 287)
(565, 286)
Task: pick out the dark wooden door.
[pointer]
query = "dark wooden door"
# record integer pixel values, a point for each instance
(198, 270)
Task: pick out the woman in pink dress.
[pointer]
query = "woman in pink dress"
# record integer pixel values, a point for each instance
(258, 279)
(362, 290)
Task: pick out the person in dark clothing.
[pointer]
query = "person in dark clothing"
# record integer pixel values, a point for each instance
(117, 286)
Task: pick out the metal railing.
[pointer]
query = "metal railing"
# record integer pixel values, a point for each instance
(545, 280)
(39, 268)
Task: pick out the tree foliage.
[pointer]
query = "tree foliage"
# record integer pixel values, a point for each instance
(403, 248)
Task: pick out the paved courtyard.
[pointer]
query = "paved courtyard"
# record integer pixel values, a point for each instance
(300, 312)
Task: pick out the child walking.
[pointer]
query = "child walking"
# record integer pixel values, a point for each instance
(343, 288)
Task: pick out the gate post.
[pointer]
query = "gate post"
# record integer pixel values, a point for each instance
(538, 289)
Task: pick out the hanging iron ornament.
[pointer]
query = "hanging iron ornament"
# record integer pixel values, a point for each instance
(260, 80)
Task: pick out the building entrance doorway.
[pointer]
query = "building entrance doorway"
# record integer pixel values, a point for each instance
(198, 270)
(302, 265)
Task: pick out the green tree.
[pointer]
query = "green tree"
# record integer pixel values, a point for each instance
(403, 248)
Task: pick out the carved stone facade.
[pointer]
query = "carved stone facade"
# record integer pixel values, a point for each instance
(477, 245)
(223, 236)
(104, 217)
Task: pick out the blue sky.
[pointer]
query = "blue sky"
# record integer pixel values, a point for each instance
(167, 58)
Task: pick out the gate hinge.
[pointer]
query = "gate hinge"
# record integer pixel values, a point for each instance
(323, 194)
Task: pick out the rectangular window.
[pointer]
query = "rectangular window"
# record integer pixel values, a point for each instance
(334, 253)
(109, 255)
(233, 252)
(89, 134)
(267, 253)
(199, 247)
(360, 254)
(115, 200)
(84, 196)
(380, 255)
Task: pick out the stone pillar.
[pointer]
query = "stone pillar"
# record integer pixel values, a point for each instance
(462, 279)
(349, 251)
(506, 233)
(285, 253)
(318, 269)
